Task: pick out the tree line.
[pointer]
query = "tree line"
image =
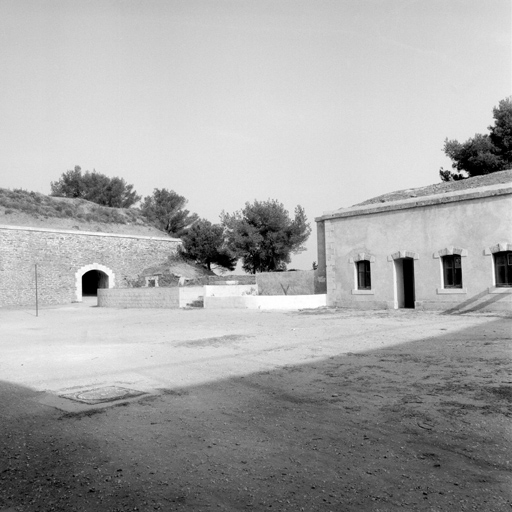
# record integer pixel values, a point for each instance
(483, 153)
(262, 235)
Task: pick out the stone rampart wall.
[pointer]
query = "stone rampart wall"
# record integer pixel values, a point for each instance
(63, 256)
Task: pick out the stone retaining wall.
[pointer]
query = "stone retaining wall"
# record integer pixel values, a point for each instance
(62, 257)
(165, 298)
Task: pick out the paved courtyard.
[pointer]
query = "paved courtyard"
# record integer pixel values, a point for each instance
(311, 410)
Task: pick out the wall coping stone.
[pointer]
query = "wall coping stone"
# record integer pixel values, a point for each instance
(88, 233)
(499, 189)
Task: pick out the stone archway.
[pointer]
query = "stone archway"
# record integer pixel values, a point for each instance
(91, 281)
(91, 277)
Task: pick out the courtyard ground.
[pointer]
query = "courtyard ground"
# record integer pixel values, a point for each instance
(254, 410)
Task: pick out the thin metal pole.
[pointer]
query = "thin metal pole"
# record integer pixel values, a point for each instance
(37, 300)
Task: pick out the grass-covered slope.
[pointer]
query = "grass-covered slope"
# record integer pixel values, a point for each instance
(22, 208)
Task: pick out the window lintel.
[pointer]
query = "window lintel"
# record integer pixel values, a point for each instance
(450, 251)
(403, 254)
(503, 246)
(362, 256)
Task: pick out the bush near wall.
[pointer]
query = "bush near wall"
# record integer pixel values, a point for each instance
(167, 280)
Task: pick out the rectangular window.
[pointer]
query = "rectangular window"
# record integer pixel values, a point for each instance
(363, 275)
(503, 268)
(452, 271)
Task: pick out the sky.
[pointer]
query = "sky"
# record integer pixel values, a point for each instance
(318, 103)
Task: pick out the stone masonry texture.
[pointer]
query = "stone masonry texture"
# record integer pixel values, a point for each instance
(60, 255)
(167, 298)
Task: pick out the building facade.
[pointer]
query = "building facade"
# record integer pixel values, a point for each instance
(69, 265)
(447, 248)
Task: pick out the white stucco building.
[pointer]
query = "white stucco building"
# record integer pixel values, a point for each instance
(445, 247)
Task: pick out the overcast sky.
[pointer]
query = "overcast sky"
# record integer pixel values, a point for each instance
(311, 102)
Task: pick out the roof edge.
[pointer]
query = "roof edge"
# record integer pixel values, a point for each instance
(499, 189)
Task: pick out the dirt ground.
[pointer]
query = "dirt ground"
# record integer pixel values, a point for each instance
(327, 410)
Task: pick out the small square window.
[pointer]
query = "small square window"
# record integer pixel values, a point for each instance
(152, 282)
(364, 281)
(452, 271)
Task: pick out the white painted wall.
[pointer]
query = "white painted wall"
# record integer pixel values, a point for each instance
(189, 294)
(232, 290)
(292, 302)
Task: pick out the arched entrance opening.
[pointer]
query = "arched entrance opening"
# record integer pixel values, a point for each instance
(92, 277)
(93, 280)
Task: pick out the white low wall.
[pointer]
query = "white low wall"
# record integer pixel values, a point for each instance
(215, 297)
(232, 290)
(266, 302)
(189, 294)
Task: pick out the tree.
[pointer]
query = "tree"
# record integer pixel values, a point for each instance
(204, 243)
(166, 210)
(483, 154)
(501, 132)
(70, 184)
(95, 187)
(264, 236)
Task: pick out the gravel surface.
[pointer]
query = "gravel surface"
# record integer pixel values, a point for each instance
(249, 410)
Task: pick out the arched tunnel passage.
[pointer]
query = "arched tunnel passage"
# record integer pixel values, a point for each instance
(93, 280)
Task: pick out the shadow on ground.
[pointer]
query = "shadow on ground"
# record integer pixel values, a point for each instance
(419, 426)
(480, 302)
